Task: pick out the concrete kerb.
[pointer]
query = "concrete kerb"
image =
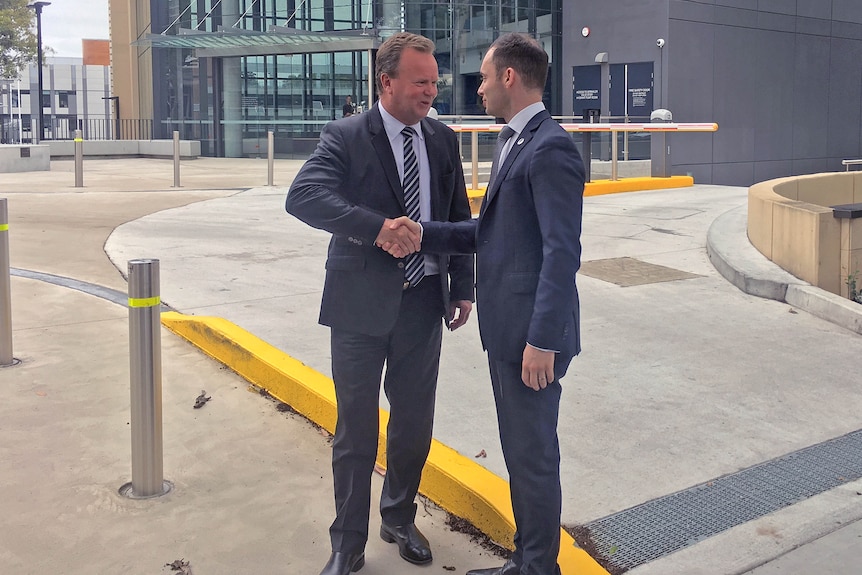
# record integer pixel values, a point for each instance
(460, 486)
(742, 265)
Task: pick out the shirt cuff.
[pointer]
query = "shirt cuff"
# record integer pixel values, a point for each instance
(540, 349)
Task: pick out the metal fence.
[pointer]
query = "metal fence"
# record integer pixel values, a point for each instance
(13, 132)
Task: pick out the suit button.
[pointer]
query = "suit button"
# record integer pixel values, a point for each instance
(401, 265)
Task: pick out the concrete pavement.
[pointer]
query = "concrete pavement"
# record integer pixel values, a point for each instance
(680, 382)
(252, 486)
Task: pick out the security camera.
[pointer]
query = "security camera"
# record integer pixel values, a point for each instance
(660, 42)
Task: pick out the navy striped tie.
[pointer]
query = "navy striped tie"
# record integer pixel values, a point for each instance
(414, 269)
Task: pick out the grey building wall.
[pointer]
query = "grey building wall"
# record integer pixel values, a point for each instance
(782, 78)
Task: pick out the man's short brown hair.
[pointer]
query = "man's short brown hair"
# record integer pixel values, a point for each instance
(523, 54)
(389, 53)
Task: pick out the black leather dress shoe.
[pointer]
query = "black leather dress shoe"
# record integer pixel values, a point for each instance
(412, 545)
(343, 563)
(508, 569)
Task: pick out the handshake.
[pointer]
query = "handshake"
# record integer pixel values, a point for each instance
(399, 237)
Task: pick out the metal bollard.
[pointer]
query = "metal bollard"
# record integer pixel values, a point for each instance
(176, 159)
(79, 159)
(5, 290)
(615, 150)
(146, 381)
(270, 156)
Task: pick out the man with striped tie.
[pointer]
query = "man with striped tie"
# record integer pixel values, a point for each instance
(367, 170)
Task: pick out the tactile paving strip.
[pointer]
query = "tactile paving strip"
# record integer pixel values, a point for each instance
(664, 525)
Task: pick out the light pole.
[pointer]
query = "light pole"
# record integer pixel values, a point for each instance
(37, 6)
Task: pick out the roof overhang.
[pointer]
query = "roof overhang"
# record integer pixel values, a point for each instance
(234, 42)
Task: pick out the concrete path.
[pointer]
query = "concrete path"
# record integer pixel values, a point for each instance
(680, 382)
(252, 486)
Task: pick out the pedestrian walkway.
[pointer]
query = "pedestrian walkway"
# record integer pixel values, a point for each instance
(683, 378)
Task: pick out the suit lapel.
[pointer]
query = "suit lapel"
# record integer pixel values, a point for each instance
(523, 139)
(436, 154)
(380, 141)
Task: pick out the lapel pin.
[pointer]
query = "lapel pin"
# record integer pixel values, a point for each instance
(521, 141)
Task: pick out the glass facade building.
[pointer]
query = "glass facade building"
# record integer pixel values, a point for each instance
(228, 71)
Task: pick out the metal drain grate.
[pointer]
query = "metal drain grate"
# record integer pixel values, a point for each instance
(664, 525)
(627, 272)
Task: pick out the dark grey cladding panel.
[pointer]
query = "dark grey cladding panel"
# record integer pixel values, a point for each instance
(773, 102)
(733, 174)
(735, 82)
(814, 9)
(691, 11)
(810, 166)
(770, 170)
(746, 4)
(702, 173)
(778, 6)
(847, 11)
(779, 22)
(847, 30)
(814, 26)
(845, 95)
(735, 17)
(811, 89)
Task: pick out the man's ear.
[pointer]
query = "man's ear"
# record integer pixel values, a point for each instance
(508, 76)
(385, 81)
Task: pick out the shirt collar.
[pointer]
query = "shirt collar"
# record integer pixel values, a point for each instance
(522, 118)
(393, 126)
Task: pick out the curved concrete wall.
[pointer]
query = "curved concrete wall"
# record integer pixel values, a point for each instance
(790, 221)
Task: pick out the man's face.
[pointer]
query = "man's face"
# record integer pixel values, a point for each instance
(491, 90)
(409, 96)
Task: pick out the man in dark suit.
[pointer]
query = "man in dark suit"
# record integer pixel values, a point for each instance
(367, 170)
(527, 244)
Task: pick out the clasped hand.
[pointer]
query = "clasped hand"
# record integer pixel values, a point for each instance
(399, 237)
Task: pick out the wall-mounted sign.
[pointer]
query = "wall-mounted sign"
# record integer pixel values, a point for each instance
(631, 90)
(586, 88)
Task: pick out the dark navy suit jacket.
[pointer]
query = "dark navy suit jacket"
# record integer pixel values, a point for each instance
(348, 187)
(527, 244)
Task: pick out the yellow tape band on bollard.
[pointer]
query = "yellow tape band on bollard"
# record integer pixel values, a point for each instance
(144, 301)
(4, 227)
(79, 139)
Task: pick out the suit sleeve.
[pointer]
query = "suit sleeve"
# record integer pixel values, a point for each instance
(461, 276)
(314, 198)
(557, 185)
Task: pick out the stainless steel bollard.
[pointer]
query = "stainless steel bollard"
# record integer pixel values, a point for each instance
(146, 381)
(176, 159)
(5, 290)
(615, 150)
(79, 159)
(270, 156)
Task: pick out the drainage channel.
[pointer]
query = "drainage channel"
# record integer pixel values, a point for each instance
(112, 295)
(659, 527)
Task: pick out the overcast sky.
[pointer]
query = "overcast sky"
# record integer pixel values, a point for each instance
(66, 22)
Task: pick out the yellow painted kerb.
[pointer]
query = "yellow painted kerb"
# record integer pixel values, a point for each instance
(456, 483)
(602, 187)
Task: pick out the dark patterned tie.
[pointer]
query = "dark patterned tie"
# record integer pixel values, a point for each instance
(414, 269)
(502, 138)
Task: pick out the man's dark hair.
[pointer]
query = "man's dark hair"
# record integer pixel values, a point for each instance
(389, 53)
(524, 55)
